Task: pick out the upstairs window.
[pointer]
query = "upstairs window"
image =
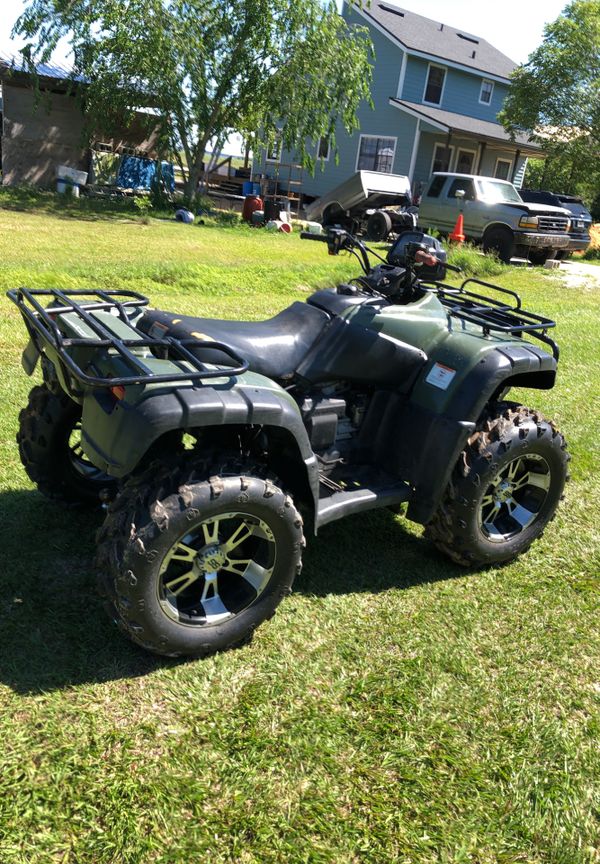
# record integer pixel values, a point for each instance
(485, 94)
(436, 75)
(376, 154)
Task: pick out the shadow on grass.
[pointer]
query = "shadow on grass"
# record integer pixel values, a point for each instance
(35, 201)
(54, 632)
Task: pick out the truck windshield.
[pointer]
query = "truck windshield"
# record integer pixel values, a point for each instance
(496, 192)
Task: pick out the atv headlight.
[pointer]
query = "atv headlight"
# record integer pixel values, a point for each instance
(529, 222)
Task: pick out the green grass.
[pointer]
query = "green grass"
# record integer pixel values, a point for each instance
(396, 709)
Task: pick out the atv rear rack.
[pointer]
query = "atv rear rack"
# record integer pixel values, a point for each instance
(42, 325)
(493, 314)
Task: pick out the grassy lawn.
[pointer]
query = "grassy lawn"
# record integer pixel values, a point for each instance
(396, 709)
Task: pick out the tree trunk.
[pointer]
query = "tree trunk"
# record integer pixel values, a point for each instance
(191, 187)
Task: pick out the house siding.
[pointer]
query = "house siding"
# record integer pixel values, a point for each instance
(383, 120)
(461, 90)
(460, 95)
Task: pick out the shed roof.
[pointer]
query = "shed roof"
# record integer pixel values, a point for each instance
(15, 65)
(440, 41)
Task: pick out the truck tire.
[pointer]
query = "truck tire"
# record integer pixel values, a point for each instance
(379, 226)
(504, 490)
(333, 215)
(500, 240)
(49, 440)
(538, 257)
(192, 562)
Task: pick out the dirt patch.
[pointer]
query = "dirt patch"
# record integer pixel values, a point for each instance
(578, 274)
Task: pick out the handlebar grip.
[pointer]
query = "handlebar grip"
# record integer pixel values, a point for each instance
(320, 238)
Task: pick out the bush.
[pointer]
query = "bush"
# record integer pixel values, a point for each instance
(473, 262)
(593, 252)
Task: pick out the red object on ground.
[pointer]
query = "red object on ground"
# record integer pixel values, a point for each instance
(251, 203)
(458, 234)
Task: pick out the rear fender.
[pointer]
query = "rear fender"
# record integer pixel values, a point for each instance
(116, 436)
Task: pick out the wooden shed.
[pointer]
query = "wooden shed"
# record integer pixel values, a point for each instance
(44, 129)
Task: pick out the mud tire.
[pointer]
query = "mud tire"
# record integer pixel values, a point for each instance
(506, 432)
(147, 521)
(45, 429)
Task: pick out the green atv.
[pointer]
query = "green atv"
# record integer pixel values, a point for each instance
(207, 439)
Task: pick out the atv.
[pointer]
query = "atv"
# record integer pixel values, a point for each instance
(205, 440)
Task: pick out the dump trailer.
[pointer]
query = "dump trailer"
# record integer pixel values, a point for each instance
(368, 202)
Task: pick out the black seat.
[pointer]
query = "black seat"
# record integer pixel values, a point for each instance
(273, 348)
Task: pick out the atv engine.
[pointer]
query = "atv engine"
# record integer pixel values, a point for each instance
(332, 422)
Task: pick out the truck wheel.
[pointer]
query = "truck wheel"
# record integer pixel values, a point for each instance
(49, 440)
(501, 241)
(538, 257)
(192, 563)
(504, 490)
(379, 226)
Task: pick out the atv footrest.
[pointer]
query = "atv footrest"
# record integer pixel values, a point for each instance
(341, 504)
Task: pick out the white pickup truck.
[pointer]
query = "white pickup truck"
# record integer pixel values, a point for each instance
(495, 216)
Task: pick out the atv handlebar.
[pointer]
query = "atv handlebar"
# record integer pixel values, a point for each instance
(337, 239)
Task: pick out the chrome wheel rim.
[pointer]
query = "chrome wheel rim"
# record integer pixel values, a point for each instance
(216, 569)
(514, 499)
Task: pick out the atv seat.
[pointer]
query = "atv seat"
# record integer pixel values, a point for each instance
(273, 348)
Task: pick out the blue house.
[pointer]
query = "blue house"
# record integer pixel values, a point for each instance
(436, 91)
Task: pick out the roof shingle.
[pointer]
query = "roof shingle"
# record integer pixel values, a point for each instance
(441, 41)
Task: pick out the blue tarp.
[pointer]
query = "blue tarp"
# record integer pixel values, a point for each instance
(138, 173)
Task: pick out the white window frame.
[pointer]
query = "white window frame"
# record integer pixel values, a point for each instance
(509, 162)
(389, 138)
(445, 71)
(486, 81)
(324, 158)
(451, 148)
(460, 150)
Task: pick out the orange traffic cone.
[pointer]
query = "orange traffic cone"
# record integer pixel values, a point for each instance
(458, 234)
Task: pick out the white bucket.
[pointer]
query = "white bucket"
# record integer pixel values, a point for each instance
(63, 185)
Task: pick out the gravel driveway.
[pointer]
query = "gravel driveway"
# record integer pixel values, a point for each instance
(578, 274)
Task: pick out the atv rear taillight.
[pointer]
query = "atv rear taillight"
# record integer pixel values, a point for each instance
(118, 392)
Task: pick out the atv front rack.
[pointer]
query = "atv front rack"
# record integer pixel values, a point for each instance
(493, 314)
(41, 323)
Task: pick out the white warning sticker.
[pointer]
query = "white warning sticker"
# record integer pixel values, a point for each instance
(441, 376)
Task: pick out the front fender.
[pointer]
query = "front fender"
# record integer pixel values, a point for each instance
(441, 420)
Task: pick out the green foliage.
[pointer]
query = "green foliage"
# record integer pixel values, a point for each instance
(142, 205)
(209, 67)
(473, 262)
(556, 97)
(558, 89)
(567, 168)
